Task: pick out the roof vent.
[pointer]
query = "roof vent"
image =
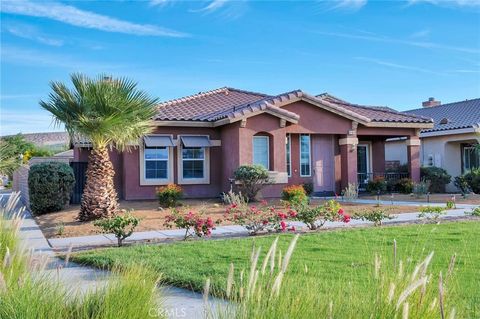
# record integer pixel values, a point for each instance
(445, 121)
(431, 102)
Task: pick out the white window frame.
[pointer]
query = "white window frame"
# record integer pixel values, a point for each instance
(156, 181)
(206, 164)
(288, 151)
(470, 149)
(309, 154)
(268, 148)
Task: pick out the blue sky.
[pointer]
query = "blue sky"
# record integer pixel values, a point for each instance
(371, 52)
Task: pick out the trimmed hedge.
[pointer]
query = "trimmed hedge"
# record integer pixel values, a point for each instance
(473, 180)
(50, 186)
(437, 176)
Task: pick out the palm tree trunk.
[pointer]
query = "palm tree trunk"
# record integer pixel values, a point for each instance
(99, 196)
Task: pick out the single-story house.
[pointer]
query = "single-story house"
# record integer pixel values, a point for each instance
(200, 140)
(450, 144)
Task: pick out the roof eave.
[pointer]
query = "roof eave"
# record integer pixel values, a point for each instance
(400, 124)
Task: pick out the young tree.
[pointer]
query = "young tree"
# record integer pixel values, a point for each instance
(109, 113)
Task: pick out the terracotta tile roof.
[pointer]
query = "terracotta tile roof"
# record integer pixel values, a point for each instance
(206, 106)
(227, 103)
(458, 115)
(375, 113)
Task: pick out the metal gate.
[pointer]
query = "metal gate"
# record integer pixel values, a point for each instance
(79, 170)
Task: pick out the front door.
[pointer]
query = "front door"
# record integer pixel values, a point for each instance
(363, 165)
(323, 163)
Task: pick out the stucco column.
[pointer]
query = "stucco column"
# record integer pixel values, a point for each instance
(348, 155)
(378, 156)
(413, 156)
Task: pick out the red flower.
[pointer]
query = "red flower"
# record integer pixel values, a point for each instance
(234, 206)
(292, 213)
(265, 222)
(346, 218)
(283, 225)
(341, 211)
(292, 228)
(264, 202)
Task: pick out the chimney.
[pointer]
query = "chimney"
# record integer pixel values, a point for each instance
(431, 102)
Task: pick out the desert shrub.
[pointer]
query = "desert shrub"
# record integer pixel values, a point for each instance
(294, 195)
(231, 198)
(121, 225)
(195, 224)
(404, 185)
(462, 184)
(50, 186)
(421, 189)
(36, 152)
(375, 215)
(315, 217)
(437, 176)
(168, 196)
(377, 185)
(431, 212)
(473, 180)
(259, 218)
(308, 187)
(350, 192)
(252, 179)
(450, 204)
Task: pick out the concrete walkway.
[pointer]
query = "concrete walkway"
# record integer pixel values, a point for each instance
(95, 241)
(176, 302)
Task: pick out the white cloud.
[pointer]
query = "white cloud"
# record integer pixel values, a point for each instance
(85, 19)
(420, 33)
(13, 54)
(32, 33)
(459, 3)
(397, 66)
(154, 3)
(386, 39)
(350, 4)
(213, 6)
(26, 121)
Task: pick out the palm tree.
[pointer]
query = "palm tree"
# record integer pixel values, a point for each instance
(110, 114)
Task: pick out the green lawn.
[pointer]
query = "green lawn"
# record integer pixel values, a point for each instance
(337, 261)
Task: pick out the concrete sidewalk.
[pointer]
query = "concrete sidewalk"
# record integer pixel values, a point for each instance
(90, 242)
(176, 302)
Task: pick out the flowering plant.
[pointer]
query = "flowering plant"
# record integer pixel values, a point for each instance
(258, 218)
(376, 216)
(315, 217)
(195, 224)
(294, 195)
(169, 195)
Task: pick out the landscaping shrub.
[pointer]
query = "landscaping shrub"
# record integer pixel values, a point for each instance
(431, 212)
(231, 198)
(295, 195)
(195, 224)
(315, 217)
(168, 196)
(252, 179)
(437, 176)
(375, 215)
(377, 185)
(308, 187)
(404, 185)
(462, 184)
(475, 212)
(259, 218)
(121, 225)
(421, 189)
(350, 192)
(50, 186)
(473, 180)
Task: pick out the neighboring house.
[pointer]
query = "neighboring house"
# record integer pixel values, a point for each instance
(200, 140)
(451, 143)
(51, 140)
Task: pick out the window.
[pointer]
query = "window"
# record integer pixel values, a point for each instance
(305, 169)
(471, 158)
(261, 154)
(288, 149)
(193, 162)
(156, 163)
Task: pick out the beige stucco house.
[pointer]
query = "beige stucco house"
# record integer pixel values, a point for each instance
(450, 144)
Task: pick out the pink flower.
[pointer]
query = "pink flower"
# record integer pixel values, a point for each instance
(234, 206)
(341, 211)
(292, 213)
(283, 225)
(346, 218)
(292, 228)
(264, 202)
(265, 222)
